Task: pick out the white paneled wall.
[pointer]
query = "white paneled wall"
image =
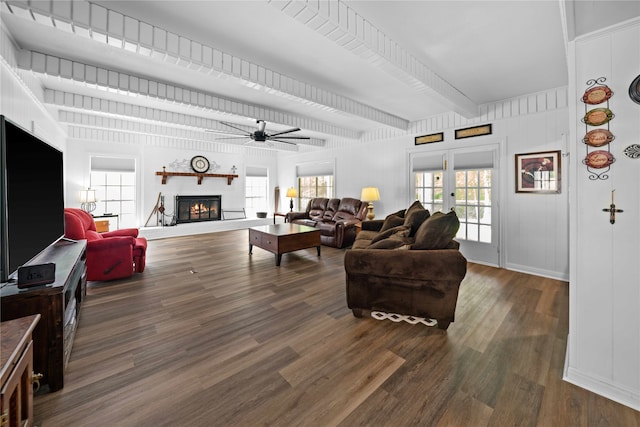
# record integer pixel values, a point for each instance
(21, 97)
(604, 324)
(535, 226)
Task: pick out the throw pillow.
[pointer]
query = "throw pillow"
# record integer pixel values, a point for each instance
(415, 216)
(391, 221)
(401, 213)
(401, 231)
(437, 231)
(395, 241)
(386, 244)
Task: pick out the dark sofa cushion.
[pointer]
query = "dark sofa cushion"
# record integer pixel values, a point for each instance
(395, 241)
(400, 230)
(392, 221)
(330, 211)
(348, 209)
(317, 207)
(416, 215)
(437, 232)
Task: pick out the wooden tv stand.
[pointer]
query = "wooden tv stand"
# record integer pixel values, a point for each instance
(58, 304)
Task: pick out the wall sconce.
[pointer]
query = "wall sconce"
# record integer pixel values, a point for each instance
(88, 200)
(291, 193)
(370, 194)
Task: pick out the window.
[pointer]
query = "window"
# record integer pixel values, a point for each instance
(314, 186)
(473, 204)
(429, 190)
(314, 180)
(114, 180)
(256, 190)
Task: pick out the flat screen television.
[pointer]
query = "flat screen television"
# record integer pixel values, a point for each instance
(31, 197)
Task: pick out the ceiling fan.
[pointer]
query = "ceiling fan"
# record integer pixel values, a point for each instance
(260, 135)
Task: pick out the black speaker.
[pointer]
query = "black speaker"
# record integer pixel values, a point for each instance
(34, 275)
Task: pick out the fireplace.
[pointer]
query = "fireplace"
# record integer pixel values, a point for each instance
(197, 208)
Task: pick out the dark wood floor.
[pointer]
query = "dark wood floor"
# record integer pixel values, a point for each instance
(210, 336)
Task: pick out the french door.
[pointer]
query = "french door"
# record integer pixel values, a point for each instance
(466, 181)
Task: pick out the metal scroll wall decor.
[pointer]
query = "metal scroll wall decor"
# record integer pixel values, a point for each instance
(597, 117)
(633, 151)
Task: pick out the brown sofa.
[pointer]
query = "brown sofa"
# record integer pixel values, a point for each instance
(414, 268)
(336, 219)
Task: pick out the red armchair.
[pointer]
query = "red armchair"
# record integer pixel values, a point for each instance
(112, 255)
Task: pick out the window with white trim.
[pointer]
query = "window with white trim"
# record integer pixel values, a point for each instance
(256, 190)
(114, 180)
(314, 180)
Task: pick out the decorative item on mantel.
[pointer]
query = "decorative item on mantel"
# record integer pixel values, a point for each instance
(164, 174)
(599, 161)
(184, 165)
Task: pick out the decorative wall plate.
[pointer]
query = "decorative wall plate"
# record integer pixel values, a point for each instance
(634, 90)
(599, 159)
(200, 164)
(598, 116)
(597, 95)
(598, 137)
(632, 151)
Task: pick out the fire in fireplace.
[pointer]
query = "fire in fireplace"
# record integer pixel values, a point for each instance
(198, 208)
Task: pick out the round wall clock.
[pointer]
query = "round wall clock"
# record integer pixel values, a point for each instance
(634, 90)
(200, 164)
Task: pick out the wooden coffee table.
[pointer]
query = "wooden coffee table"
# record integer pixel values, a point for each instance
(283, 238)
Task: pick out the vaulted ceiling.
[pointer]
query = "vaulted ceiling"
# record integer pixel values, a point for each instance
(334, 68)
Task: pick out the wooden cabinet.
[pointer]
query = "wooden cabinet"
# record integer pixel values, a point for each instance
(16, 371)
(57, 303)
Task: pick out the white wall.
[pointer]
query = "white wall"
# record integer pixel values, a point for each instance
(604, 324)
(535, 225)
(150, 158)
(21, 96)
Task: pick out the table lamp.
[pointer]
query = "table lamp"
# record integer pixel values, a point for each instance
(88, 200)
(291, 193)
(370, 194)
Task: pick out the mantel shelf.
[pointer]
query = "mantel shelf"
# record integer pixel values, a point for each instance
(165, 174)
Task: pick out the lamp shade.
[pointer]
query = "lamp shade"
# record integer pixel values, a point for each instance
(291, 192)
(370, 194)
(87, 196)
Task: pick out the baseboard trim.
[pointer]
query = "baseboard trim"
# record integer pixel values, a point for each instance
(538, 272)
(600, 386)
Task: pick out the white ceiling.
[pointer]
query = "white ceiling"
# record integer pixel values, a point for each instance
(346, 66)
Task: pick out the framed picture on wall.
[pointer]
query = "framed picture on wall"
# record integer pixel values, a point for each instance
(538, 172)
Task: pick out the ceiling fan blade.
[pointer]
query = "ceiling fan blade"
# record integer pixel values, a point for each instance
(236, 128)
(232, 136)
(291, 137)
(285, 131)
(284, 142)
(222, 132)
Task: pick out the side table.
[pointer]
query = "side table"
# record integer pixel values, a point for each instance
(275, 214)
(16, 357)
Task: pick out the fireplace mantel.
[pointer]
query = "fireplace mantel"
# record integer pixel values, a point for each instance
(165, 174)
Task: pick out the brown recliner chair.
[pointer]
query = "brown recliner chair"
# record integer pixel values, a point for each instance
(335, 218)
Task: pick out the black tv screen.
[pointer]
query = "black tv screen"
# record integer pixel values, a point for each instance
(32, 202)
